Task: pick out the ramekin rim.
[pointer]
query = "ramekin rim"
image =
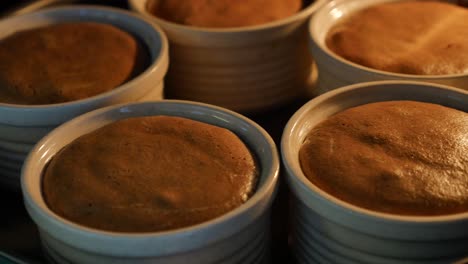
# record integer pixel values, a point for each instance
(158, 62)
(320, 43)
(300, 178)
(269, 184)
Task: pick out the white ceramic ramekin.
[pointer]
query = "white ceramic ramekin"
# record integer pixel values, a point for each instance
(244, 69)
(324, 227)
(335, 71)
(240, 236)
(21, 126)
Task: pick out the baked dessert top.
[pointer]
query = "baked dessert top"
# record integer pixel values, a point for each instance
(409, 37)
(223, 13)
(149, 174)
(66, 62)
(398, 157)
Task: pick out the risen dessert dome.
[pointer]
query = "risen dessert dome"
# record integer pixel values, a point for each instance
(66, 62)
(409, 37)
(149, 174)
(400, 157)
(223, 13)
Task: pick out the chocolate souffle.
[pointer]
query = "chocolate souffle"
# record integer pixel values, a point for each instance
(149, 174)
(398, 157)
(67, 62)
(223, 13)
(409, 37)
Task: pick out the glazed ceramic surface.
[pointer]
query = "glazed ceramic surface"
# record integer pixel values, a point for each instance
(240, 236)
(329, 228)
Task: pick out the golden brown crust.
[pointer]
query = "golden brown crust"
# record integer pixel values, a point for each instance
(398, 157)
(223, 13)
(67, 62)
(150, 174)
(410, 37)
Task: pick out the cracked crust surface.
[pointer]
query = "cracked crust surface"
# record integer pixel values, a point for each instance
(150, 174)
(400, 157)
(409, 37)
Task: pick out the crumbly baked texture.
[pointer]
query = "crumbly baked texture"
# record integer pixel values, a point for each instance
(409, 37)
(150, 174)
(223, 13)
(67, 62)
(399, 157)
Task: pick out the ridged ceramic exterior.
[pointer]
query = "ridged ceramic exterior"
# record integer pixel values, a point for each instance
(240, 236)
(250, 246)
(21, 126)
(328, 230)
(244, 69)
(334, 71)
